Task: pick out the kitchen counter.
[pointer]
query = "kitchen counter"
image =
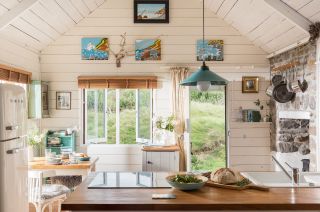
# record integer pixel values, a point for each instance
(82, 168)
(40, 163)
(173, 148)
(208, 198)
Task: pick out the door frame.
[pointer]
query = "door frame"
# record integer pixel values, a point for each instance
(188, 142)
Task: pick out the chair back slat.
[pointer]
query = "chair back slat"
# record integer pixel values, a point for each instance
(35, 185)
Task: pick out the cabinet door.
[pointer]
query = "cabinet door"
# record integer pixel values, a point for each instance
(161, 161)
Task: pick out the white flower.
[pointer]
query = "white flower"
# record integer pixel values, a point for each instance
(37, 138)
(163, 125)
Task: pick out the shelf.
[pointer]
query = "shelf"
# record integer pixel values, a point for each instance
(250, 124)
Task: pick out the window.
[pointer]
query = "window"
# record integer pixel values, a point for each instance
(117, 116)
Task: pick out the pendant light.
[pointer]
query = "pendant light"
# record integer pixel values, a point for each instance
(203, 78)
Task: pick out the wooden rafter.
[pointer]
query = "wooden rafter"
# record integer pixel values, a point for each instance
(15, 12)
(291, 14)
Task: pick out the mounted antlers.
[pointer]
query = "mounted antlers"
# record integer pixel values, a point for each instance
(122, 52)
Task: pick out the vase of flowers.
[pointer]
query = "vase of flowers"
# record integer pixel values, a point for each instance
(35, 143)
(165, 130)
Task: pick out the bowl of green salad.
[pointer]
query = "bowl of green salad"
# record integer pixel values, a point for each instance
(186, 182)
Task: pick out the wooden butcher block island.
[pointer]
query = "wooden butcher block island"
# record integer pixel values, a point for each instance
(205, 199)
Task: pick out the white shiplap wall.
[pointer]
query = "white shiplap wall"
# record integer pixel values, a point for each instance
(61, 62)
(249, 143)
(17, 56)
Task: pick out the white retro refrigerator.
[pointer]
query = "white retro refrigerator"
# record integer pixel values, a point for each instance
(13, 149)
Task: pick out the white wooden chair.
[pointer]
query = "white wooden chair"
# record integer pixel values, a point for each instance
(42, 196)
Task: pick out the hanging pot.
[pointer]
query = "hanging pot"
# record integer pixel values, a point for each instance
(281, 93)
(277, 79)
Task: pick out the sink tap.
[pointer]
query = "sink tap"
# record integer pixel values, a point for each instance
(294, 174)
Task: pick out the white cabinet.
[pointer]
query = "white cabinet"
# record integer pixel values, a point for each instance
(160, 161)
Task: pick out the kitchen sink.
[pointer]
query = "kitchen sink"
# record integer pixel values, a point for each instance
(280, 179)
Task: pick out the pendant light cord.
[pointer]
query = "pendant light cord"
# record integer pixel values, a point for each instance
(203, 57)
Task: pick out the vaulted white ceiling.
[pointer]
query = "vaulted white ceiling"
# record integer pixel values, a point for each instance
(36, 23)
(264, 25)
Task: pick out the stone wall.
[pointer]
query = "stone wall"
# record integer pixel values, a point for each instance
(305, 102)
(293, 136)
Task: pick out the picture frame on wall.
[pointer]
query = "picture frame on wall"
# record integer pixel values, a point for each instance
(63, 100)
(148, 49)
(210, 50)
(250, 84)
(95, 48)
(151, 11)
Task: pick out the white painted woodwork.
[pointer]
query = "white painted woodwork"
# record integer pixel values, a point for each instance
(160, 161)
(264, 25)
(248, 142)
(15, 12)
(290, 13)
(116, 157)
(18, 56)
(61, 64)
(308, 8)
(36, 23)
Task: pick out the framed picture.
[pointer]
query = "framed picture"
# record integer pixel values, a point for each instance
(148, 49)
(210, 50)
(63, 100)
(94, 49)
(45, 101)
(250, 84)
(151, 11)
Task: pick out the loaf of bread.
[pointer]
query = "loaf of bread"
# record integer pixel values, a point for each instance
(225, 176)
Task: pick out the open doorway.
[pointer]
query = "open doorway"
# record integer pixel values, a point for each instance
(208, 129)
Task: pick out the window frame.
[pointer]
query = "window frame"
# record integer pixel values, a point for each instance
(104, 140)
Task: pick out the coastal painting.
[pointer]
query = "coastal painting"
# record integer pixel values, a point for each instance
(148, 49)
(94, 48)
(151, 11)
(210, 50)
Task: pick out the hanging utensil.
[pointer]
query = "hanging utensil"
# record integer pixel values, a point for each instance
(281, 93)
(269, 90)
(304, 83)
(296, 85)
(289, 81)
(277, 79)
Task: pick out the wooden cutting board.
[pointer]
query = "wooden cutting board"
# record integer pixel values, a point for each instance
(235, 187)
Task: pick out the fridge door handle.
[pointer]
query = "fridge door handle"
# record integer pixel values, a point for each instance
(12, 127)
(13, 151)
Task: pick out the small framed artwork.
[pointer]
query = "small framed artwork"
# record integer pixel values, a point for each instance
(151, 11)
(94, 49)
(63, 100)
(250, 84)
(45, 101)
(210, 50)
(148, 49)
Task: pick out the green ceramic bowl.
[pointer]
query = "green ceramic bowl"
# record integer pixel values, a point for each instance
(187, 186)
(84, 158)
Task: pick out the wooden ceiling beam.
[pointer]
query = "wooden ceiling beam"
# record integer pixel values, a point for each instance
(15, 12)
(291, 14)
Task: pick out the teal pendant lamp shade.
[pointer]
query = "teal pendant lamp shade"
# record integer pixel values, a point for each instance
(204, 75)
(203, 78)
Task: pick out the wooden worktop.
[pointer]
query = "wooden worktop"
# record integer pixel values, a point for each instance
(173, 148)
(40, 163)
(208, 198)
